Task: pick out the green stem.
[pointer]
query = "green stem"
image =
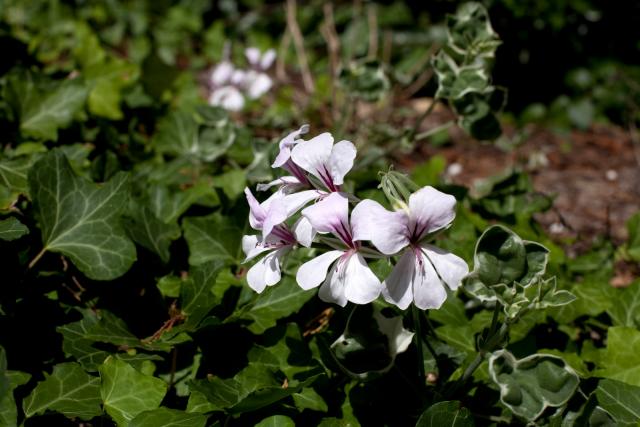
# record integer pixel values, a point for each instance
(418, 341)
(423, 116)
(37, 258)
(431, 132)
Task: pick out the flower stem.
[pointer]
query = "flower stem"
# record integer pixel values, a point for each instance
(418, 341)
(37, 257)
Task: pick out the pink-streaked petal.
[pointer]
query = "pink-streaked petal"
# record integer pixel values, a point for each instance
(252, 247)
(303, 232)
(282, 182)
(428, 289)
(361, 286)
(431, 209)
(313, 155)
(253, 55)
(341, 161)
(312, 273)
(257, 213)
(450, 267)
(386, 230)
(330, 214)
(296, 201)
(276, 214)
(221, 73)
(397, 288)
(285, 146)
(266, 272)
(267, 59)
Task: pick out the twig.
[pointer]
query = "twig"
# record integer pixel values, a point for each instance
(37, 258)
(281, 73)
(328, 31)
(298, 42)
(372, 20)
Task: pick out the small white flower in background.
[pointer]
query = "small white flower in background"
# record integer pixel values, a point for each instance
(350, 279)
(230, 85)
(423, 269)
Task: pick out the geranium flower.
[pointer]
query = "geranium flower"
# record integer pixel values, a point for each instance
(283, 160)
(423, 269)
(257, 82)
(350, 279)
(327, 162)
(266, 272)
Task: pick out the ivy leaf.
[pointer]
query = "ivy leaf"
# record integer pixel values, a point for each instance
(444, 414)
(12, 229)
(13, 179)
(80, 219)
(621, 400)
(166, 417)
(68, 390)
(213, 237)
(276, 421)
(8, 410)
(308, 398)
(126, 392)
(529, 385)
(42, 110)
(168, 204)
(274, 303)
(622, 357)
(148, 231)
(196, 293)
(626, 310)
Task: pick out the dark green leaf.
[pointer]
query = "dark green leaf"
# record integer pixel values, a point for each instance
(166, 417)
(212, 237)
(445, 414)
(80, 219)
(69, 390)
(196, 295)
(276, 421)
(148, 231)
(12, 229)
(8, 410)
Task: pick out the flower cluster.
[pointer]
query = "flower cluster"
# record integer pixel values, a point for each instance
(309, 208)
(230, 85)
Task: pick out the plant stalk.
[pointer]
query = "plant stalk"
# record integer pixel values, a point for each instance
(418, 341)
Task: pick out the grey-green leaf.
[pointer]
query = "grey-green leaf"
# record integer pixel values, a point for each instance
(126, 392)
(529, 385)
(12, 229)
(166, 417)
(446, 414)
(80, 219)
(68, 390)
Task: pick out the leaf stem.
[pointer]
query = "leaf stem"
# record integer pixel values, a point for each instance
(418, 341)
(37, 258)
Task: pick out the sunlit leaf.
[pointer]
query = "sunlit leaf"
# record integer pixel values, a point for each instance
(126, 392)
(212, 237)
(446, 414)
(622, 358)
(12, 229)
(621, 400)
(80, 219)
(166, 417)
(69, 390)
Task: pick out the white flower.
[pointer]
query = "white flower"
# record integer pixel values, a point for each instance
(227, 97)
(350, 279)
(256, 84)
(258, 60)
(329, 163)
(266, 272)
(419, 275)
(221, 74)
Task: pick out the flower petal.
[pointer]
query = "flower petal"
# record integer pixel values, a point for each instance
(386, 230)
(266, 272)
(330, 214)
(253, 55)
(257, 84)
(361, 286)
(267, 59)
(450, 267)
(221, 73)
(312, 273)
(276, 214)
(285, 146)
(295, 201)
(332, 289)
(304, 232)
(257, 213)
(252, 247)
(428, 289)
(283, 181)
(431, 209)
(313, 155)
(341, 161)
(227, 97)
(397, 288)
